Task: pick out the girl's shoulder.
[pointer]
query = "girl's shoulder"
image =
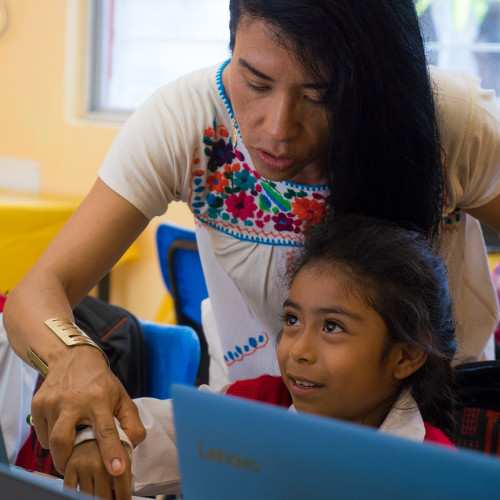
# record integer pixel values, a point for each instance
(437, 436)
(266, 389)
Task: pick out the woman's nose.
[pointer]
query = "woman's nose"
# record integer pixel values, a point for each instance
(281, 119)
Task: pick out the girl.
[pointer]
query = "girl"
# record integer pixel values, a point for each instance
(367, 337)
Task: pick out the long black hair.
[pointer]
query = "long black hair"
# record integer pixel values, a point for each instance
(384, 158)
(397, 274)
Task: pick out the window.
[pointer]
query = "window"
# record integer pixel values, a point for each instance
(139, 45)
(464, 35)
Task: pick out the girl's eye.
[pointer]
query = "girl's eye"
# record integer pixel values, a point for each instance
(331, 326)
(290, 319)
(256, 88)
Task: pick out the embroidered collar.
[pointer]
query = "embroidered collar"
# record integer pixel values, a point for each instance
(229, 195)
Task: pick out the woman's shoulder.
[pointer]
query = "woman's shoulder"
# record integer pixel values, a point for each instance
(469, 128)
(197, 90)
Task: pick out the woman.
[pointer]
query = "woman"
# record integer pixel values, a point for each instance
(332, 110)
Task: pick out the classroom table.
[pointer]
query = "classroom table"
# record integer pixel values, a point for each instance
(28, 223)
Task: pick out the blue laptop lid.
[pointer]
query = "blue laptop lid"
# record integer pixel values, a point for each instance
(233, 448)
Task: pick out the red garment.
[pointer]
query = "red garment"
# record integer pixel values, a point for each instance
(269, 389)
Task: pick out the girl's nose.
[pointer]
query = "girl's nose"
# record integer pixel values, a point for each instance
(281, 120)
(303, 349)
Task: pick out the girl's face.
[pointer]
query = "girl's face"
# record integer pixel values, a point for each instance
(334, 355)
(279, 110)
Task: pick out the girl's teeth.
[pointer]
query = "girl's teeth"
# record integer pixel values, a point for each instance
(304, 384)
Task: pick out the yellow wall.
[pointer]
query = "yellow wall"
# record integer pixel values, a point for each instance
(36, 123)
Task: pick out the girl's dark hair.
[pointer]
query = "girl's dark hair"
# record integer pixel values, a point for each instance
(384, 158)
(396, 273)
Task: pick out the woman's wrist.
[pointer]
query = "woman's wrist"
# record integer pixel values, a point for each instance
(70, 335)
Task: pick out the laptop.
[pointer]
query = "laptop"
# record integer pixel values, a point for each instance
(20, 484)
(233, 448)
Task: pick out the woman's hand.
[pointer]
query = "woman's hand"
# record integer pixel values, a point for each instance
(80, 389)
(86, 469)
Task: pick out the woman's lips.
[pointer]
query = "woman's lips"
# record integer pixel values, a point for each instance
(275, 162)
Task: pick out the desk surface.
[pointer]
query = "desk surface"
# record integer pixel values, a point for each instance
(28, 223)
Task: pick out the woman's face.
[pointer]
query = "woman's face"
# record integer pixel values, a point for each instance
(279, 110)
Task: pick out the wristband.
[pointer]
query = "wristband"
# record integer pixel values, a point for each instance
(70, 334)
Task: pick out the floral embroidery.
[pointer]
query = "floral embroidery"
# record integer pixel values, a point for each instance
(248, 349)
(228, 194)
(244, 180)
(217, 182)
(241, 206)
(451, 221)
(285, 222)
(220, 153)
(309, 210)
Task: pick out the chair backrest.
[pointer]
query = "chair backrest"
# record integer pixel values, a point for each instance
(181, 269)
(478, 407)
(173, 356)
(182, 273)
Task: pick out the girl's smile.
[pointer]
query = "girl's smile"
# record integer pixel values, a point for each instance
(300, 387)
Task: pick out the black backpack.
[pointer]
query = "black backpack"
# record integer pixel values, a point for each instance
(119, 334)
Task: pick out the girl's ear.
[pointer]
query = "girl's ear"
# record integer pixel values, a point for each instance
(410, 359)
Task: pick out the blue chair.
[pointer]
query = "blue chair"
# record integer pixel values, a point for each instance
(173, 356)
(182, 273)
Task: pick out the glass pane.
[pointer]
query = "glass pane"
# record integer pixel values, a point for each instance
(463, 35)
(151, 42)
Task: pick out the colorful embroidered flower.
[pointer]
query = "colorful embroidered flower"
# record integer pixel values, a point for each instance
(241, 206)
(228, 194)
(217, 182)
(311, 211)
(214, 201)
(222, 153)
(244, 180)
(282, 222)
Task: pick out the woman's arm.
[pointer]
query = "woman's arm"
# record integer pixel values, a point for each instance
(80, 388)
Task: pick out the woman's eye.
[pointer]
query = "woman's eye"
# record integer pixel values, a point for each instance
(332, 327)
(256, 88)
(315, 98)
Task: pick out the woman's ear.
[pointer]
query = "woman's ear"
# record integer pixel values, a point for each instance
(410, 359)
